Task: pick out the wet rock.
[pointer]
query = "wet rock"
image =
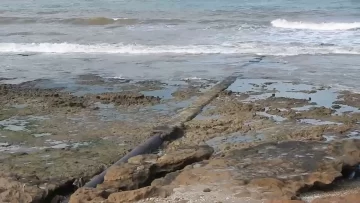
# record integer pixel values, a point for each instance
(90, 79)
(153, 83)
(186, 93)
(336, 106)
(127, 98)
(321, 111)
(349, 98)
(283, 102)
(48, 98)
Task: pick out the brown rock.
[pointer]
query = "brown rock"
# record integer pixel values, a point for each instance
(126, 177)
(87, 195)
(344, 198)
(127, 98)
(275, 171)
(141, 170)
(167, 180)
(14, 191)
(141, 159)
(135, 195)
(178, 159)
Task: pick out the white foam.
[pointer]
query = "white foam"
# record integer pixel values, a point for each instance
(282, 23)
(120, 19)
(250, 48)
(193, 78)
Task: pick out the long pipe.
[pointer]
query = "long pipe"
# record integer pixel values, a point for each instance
(187, 114)
(151, 144)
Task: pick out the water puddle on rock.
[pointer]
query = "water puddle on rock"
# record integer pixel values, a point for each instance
(42, 134)
(329, 137)
(20, 123)
(8, 148)
(165, 93)
(260, 89)
(57, 144)
(169, 108)
(108, 112)
(318, 122)
(263, 88)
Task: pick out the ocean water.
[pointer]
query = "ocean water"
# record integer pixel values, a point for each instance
(313, 41)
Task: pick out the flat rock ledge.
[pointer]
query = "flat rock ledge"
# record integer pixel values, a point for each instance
(270, 172)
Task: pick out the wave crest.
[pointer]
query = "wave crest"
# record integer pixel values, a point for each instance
(246, 48)
(282, 23)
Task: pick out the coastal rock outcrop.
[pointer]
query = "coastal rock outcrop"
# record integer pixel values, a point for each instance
(274, 172)
(11, 190)
(133, 180)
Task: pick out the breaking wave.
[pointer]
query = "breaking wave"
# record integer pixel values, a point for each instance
(282, 23)
(246, 48)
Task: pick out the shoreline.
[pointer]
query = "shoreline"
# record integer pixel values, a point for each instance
(51, 131)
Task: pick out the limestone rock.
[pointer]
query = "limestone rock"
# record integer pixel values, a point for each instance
(126, 176)
(13, 191)
(344, 198)
(135, 195)
(178, 159)
(131, 181)
(87, 195)
(141, 159)
(275, 171)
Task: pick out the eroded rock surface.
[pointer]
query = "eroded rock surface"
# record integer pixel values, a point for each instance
(272, 171)
(12, 190)
(132, 181)
(341, 198)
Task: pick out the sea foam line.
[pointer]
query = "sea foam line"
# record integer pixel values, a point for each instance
(282, 23)
(246, 48)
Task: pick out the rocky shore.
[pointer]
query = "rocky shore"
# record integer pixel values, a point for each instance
(261, 140)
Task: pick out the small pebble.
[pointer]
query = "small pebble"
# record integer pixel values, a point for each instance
(207, 190)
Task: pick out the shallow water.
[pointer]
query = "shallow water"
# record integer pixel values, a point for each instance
(309, 41)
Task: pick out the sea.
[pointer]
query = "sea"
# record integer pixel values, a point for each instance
(303, 40)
